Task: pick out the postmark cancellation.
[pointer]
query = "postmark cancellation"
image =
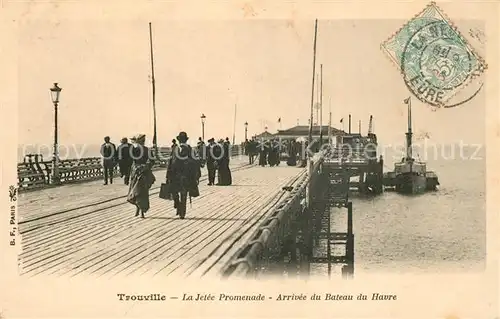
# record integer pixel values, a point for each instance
(435, 60)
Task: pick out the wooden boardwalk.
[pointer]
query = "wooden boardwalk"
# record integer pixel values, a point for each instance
(91, 229)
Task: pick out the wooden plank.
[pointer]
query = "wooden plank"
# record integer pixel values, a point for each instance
(114, 242)
(221, 255)
(74, 196)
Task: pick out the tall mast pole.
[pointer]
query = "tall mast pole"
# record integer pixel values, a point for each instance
(330, 120)
(155, 145)
(321, 106)
(313, 76)
(317, 100)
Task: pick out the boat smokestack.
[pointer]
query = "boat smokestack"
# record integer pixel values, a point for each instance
(349, 123)
(409, 153)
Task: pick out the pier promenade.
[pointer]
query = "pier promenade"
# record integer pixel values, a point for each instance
(89, 228)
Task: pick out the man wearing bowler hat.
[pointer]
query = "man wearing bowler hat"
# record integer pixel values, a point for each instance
(183, 173)
(109, 154)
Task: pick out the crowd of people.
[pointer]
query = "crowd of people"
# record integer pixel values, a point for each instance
(135, 162)
(270, 151)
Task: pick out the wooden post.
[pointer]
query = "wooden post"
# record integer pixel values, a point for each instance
(350, 241)
(313, 76)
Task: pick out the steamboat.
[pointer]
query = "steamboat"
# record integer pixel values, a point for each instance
(410, 176)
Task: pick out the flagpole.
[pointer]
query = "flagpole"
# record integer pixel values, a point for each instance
(313, 76)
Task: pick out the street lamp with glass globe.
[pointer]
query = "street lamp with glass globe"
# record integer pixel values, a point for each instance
(246, 130)
(55, 92)
(203, 117)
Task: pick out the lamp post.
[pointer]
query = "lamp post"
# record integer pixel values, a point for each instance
(203, 117)
(55, 91)
(246, 130)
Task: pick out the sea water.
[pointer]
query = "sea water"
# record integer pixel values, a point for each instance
(441, 231)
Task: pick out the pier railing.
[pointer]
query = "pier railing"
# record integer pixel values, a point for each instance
(282, 244)
(36, 173)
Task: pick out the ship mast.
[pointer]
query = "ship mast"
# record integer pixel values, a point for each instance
(409, 133)
(321, 107)
(155, 145)
(330, 121)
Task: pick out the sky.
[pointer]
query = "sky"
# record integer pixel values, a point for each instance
(264, 67)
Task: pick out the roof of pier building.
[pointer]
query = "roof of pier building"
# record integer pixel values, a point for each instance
(303, 131)
(265, 134)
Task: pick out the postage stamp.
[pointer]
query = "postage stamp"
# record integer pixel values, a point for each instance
(435, 60)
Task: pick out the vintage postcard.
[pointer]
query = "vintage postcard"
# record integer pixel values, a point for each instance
(249, 159)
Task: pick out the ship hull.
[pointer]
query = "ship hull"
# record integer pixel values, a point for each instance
(410, 183)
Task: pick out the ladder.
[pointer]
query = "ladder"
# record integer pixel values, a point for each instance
(337, 195)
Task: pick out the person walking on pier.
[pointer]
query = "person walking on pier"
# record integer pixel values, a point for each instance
(211, 161)
(273, 153)
(250, 150)
(263, 151)
(125, 159)
(246, 146)
(173, 146)
(253, 150)
(108, 153)
(227, 148)
(201, 150)
(224, 174)
(142, 177)
(292, 153)
(183, 175)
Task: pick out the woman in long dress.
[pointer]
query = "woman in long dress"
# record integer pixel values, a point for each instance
(141, 177)
(224, 173)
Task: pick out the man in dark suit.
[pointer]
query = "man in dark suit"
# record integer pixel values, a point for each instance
(125, 159)
(201, 150)
(109, 155)
(211, 154)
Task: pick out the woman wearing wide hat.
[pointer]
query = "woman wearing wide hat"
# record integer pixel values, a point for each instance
(141, 177)
(183, 174)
